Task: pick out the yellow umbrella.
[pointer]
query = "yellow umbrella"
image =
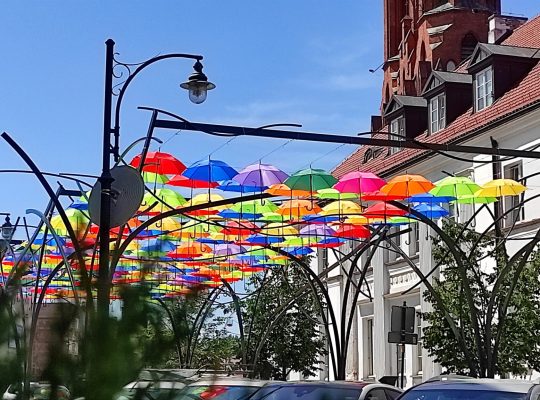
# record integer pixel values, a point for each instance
(277, 229)
(501, 187)
(345, 207)
(358, 220)
(166, 224)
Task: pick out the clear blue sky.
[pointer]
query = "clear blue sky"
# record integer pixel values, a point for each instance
(300, 61)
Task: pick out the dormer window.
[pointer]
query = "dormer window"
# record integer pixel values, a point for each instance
(397, 132)
(437, 113)
(483, 85)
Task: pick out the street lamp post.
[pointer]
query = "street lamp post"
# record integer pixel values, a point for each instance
(197, 85)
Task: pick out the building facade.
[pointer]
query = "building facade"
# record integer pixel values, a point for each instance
(489, 94)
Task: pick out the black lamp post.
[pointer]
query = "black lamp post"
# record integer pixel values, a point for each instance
(197, 85)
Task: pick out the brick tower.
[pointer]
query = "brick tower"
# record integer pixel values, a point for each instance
(421, 35)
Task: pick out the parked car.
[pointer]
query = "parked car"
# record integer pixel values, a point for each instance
(38, 391)
(157, 385)
(220, 388)
(320, 390)
(460, 388)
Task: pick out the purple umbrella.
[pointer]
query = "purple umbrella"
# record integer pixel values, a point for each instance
(260, 175)
(228, 249)
(317, 230)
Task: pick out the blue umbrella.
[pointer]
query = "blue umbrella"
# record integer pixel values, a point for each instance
(431, 211)
(320, 219)
(233, 186)
(298, 251)
(210, 171)
(158, 246)
(430, 198)
(231, 214)
(264, 240)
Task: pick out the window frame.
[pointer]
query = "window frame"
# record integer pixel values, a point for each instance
(437, 113)
(510, 202)
(483, 89)
(370, 348)
(399, 123)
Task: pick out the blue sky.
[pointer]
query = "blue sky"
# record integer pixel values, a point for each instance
(276, 61)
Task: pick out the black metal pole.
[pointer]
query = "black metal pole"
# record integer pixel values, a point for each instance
(402, 344)
(106, 180)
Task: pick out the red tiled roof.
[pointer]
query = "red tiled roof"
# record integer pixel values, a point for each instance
(524, 94)
(527, 35)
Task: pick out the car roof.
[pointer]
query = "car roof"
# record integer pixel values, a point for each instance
(500, 385)
(155, 384)
(228, 381)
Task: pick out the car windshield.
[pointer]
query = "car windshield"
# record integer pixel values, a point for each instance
(307, 392)
(462, 394)
(215, 392)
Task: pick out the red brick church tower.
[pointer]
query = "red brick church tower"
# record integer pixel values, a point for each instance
(421, 35)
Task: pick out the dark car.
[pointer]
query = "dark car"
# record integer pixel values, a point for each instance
(319, 390)
(444, 388)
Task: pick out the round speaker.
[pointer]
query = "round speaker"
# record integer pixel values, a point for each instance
(127, 191)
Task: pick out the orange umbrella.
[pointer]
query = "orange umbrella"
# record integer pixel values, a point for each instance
(283, 190)
(190, 250)
(298, 208)
(407, 185)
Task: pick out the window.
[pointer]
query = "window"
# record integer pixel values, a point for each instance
(483, 84)
(375, 394)
(511, 203)
(369, 347)
(437, 113)
(468, 44)
(451, 66)
(418, 368)
(397, 132)
(414, 239)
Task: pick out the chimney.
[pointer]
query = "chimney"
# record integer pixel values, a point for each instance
(501, 26)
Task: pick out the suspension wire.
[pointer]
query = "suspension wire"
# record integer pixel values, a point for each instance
(324, 155)
(273, 151)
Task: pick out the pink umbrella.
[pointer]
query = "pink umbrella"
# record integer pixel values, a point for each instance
(359, 182)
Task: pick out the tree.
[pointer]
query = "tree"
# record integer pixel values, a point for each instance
(277, 345)
(506, 302)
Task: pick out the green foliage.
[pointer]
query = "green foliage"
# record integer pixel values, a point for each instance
(517, 347)
(294, 341)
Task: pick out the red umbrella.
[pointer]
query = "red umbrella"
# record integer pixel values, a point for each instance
(240, 228)
(350, 231)
(159, 163)
(380, 196)
(182, 181)
(383, 210)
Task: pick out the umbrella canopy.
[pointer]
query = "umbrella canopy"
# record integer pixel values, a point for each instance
(190, 250)
(233, 186)
(159, 163)
(430, 198)
(334, 194)
(255, 207)
(240, 228)
(383, 210)
(317, 230)
(283, 190)
(298, 208)
(351, 231)
(260, 175)
(206, 199)
(228, 249)
(157, 246)
(166, 199)
(182, 181)
(346, 207)
(455, 186)
(151, 177)
(407, 185)
(472, 199)
(500, 188)
(432, 211)
(381, 196)
(311, 179)
(210, 171)
(279, 230)
(359, 182)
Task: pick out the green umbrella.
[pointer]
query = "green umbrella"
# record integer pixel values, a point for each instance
(334, 194)
(168, 196)
(455, 186)
(151, 177)
(311, 179)
(255, 207)
(273, 217)
(471, 199)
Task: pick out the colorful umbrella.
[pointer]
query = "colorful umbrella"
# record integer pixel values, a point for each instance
(432, 211)
(455, 186)
(210, 171)
(381, 196)
(430, 198)
(283, 190)
(346, 207)
(472, 199)
(359, 182)
(407, 185)
(352, 231)
(160, 163)
(151, 177)
(500, 188)
(311, 179)
(383, 210)
(182, 181)
(233, 186)
(298, 208)
(260, 175)
(334, 194)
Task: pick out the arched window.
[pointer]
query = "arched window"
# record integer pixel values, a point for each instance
(468, 44)
(451, 66)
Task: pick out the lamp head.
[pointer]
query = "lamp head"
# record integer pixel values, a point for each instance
(197, 84)
(7, 229)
